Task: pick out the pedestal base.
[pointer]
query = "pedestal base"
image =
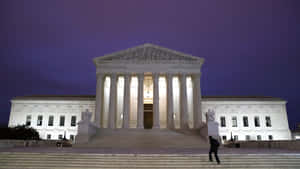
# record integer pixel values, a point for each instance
(213, 129)
(86, 130)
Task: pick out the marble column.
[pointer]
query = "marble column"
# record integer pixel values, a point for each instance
(140, 112)
(183, 103)
(170, 106)
(156, 100)
(197, 100)
(126, 101)
(99, 100)
(112, 101)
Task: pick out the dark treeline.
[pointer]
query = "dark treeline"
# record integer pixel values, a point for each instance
(21, 132)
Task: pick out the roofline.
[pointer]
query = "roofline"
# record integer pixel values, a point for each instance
(92, 97)
(146, 45)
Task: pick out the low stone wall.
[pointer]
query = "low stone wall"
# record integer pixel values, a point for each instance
(288, 144)
(27, 143)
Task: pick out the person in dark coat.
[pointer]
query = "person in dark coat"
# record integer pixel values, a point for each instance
(214, 145)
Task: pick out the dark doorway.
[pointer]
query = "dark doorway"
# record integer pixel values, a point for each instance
(148, 116)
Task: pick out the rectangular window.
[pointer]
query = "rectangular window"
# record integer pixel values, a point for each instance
(256, 121)
(72, 137)
(224, 138)
(258, 137)
(62, 121)
(39, 120)
(268, 121)
(223, 122)
(270, 137)
(73, 121)
(48, 136)
(28, 120)
(245, 121)
(60, 137)
(50, 120)
(236, 138)
(247, 137)
(234, 121)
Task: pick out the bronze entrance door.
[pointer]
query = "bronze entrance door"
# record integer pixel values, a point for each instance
(148, 116)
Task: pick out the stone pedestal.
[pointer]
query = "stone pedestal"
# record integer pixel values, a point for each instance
(212, 125)
(86, 129)
(213, 129)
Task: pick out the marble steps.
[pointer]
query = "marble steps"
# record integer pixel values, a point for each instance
(75, 160)
(140, 138)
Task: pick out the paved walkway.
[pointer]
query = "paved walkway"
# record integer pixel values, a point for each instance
(146, 151)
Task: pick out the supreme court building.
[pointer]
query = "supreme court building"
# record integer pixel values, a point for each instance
(148, 77)
(151, 87)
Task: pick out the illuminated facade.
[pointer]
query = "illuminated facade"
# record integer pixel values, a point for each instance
(161, 79)
(147, 87)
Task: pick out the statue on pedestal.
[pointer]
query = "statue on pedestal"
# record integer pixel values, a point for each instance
(86, 129)
(212, 125)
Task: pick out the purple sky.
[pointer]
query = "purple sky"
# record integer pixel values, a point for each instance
(250, 47)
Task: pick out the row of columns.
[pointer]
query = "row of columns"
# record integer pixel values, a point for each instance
(184, 124)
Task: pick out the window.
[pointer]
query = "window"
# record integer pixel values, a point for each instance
(247, 137)
(73, 121)
(72, 137)
(60, 136)
(234, 121)
(258, 137)
(256, 121)
(223, 122)
(28, 120)
(62, 121)
(50, 120)
(39, 120)
(245, 121)
(270, 137)
(48, 136)
(268, 121)
(224, 138)
(236, 138)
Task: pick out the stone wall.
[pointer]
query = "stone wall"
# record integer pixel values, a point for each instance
(289, 144)
(27, 143)
(45, 108)
(276, 110)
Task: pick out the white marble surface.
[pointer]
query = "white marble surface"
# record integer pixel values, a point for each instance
(275, 109)
(187, 103)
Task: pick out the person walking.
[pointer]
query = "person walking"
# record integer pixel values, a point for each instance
(214, 145)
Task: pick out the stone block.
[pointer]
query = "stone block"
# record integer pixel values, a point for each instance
(86, 129)
(213, 129)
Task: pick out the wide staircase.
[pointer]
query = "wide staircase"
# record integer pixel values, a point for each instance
(15, 160)
(146, 138)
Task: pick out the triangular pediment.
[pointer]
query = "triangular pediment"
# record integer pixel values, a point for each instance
(148, 53)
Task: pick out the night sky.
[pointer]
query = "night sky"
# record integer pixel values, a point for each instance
(251, 47)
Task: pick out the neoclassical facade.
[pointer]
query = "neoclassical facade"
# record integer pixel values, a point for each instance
(151, 87)
(166, 81)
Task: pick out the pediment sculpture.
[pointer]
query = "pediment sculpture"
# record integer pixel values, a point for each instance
(148, 52)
